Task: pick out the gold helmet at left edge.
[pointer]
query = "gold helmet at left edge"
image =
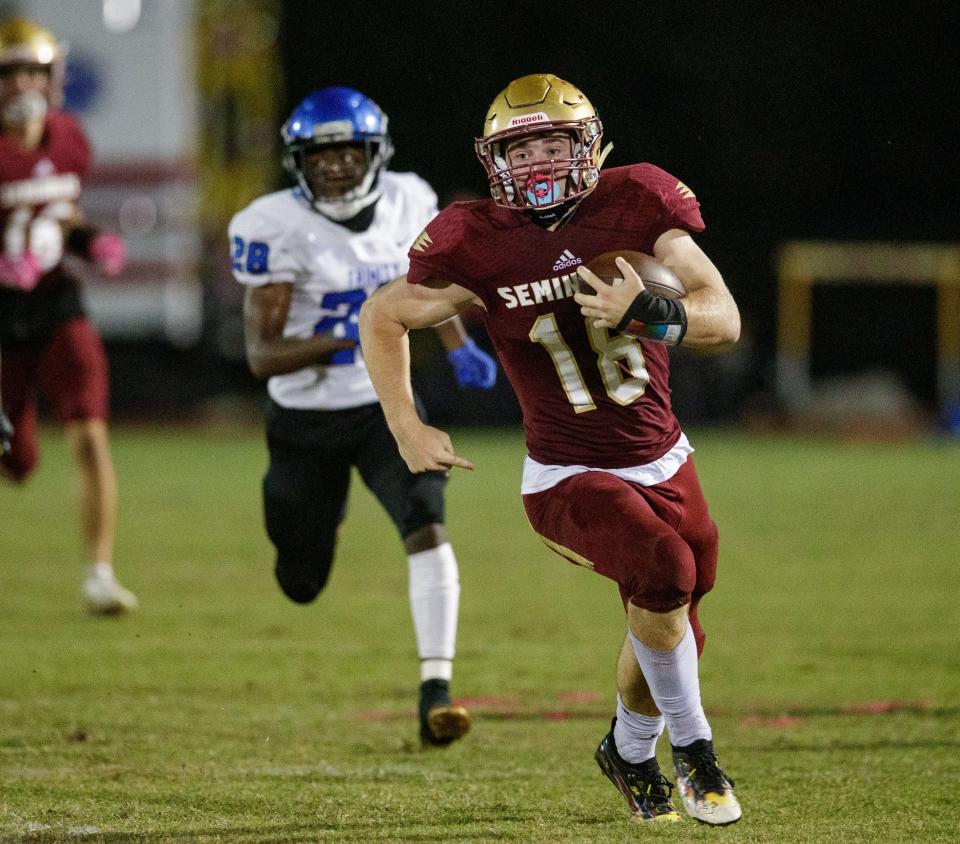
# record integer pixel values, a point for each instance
(24, 42)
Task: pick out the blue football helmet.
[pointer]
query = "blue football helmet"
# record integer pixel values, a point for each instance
(331, 116)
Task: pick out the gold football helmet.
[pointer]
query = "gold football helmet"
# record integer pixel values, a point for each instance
(24, 42)
(536, 105)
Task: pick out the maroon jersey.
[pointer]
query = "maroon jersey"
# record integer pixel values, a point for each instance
(589, 396)
(39, 190)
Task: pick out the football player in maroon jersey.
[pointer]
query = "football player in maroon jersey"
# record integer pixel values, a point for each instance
(608, 482)
(47, 340)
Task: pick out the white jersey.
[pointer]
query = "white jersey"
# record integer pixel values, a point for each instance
(280, 238)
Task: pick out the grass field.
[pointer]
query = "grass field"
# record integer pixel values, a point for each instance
(222, 712)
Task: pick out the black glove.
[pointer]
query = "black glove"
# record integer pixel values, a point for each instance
(655, 318)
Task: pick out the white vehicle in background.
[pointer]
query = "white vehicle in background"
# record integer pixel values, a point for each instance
(130, 80)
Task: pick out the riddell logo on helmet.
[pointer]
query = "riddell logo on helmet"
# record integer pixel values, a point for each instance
(523, 120)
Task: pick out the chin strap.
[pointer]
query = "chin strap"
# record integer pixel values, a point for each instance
(603, 155)
(556, 215)
(345, 209)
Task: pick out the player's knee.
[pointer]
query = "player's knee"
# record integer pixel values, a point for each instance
(424, 538)
(423, 517)
(300, 582)
(666, 580)
(89, 441)
(661, 631)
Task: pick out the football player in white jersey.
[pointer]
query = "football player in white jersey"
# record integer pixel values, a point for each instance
(309, 256)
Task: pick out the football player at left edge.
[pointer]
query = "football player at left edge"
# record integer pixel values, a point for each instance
(48, 342)
(6, 429)
(308, 257)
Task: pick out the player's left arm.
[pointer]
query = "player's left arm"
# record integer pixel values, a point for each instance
(713, 318)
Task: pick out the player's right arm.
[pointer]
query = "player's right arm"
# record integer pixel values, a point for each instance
(266, 260)
(265, 311)
(385, 320)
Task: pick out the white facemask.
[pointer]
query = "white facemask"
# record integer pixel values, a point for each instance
(25, 108)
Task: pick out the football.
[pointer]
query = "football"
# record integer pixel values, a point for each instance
(657, 278)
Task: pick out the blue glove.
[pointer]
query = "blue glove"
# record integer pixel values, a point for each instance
(473, 366)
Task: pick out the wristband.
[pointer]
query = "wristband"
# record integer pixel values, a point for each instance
(655, 318)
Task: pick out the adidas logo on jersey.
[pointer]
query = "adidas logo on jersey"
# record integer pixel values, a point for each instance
(567, 259)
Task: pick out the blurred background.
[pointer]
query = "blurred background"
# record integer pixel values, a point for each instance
(821, 140)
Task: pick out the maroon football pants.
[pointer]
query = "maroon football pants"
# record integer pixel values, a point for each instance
(71, 370)
(657, 542)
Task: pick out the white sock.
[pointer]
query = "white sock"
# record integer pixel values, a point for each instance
(434, 602)
(636, 735)
(436, 669)
(675, 686)
(102, 570)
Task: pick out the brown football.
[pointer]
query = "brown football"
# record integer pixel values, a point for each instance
(657, 278)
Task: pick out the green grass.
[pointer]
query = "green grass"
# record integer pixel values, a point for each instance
(222, 712)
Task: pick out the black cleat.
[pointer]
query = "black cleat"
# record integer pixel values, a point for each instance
(441, 721)
(706, 791)
(646, 789)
